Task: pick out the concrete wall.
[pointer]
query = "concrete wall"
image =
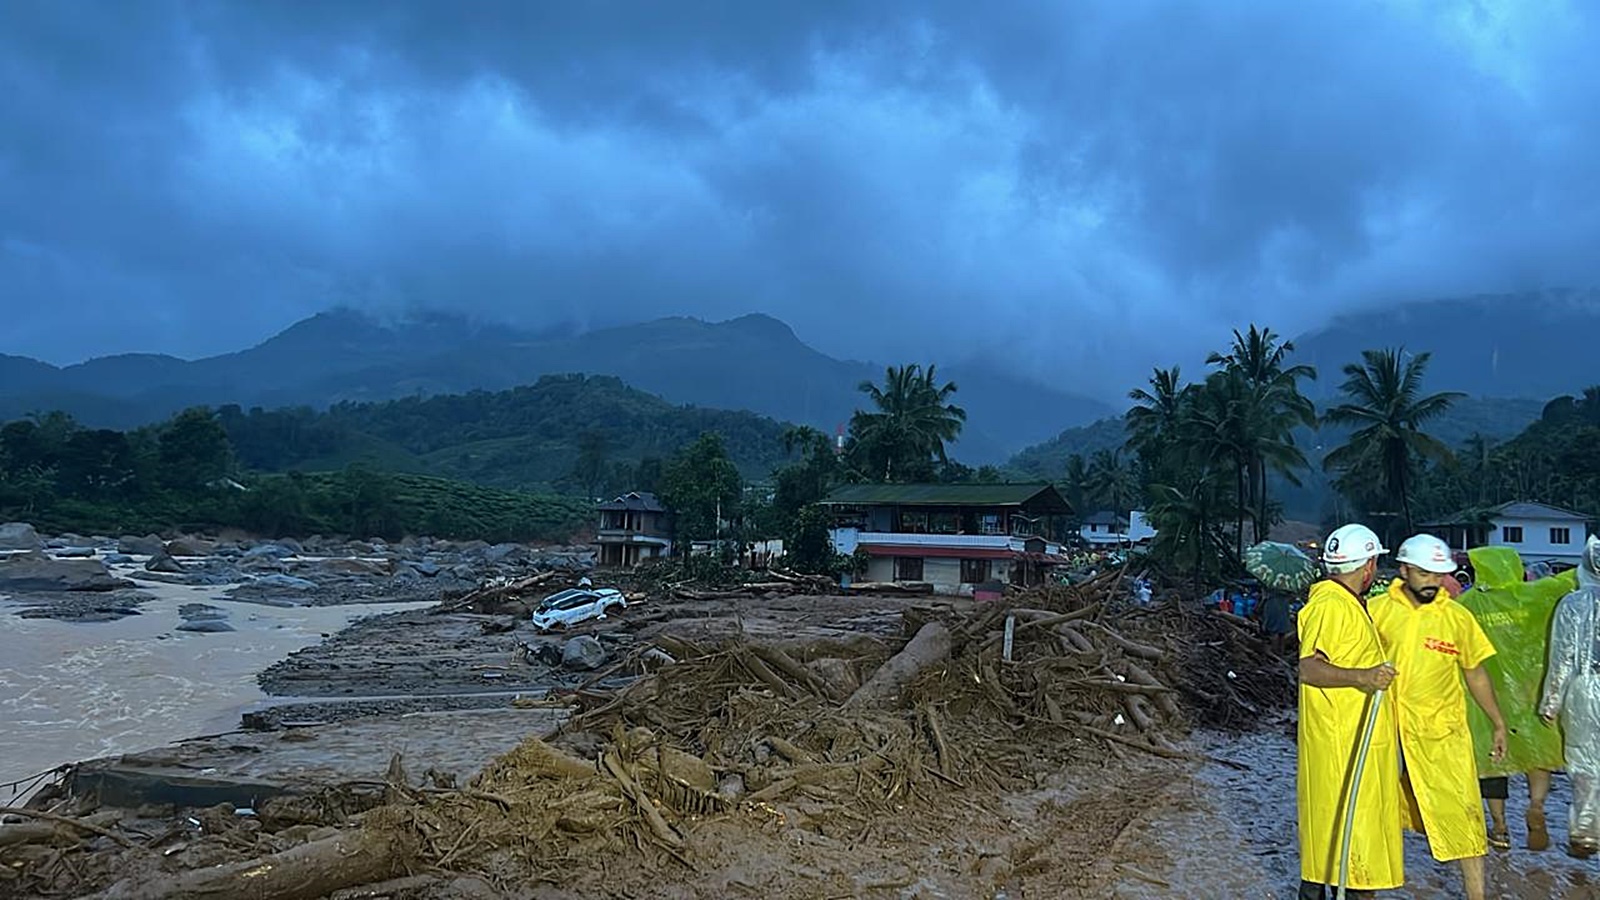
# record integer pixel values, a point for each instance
(1536, 544)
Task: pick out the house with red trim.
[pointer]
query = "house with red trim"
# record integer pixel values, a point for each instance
(952, 536)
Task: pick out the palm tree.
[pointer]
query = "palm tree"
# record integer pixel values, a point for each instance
(1188, 523)
(1272, 406)
(1153, 420)
(1215, 439)
(1076, 483)
(1387, 408)
(911, 421)
(1112, 483)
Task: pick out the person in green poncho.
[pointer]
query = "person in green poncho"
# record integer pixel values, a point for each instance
(1516, 615)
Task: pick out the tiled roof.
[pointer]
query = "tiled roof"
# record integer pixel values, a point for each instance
(640, 501)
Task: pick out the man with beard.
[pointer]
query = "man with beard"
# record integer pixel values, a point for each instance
(1437, 645)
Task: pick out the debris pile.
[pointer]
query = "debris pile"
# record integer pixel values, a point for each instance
(977, 698)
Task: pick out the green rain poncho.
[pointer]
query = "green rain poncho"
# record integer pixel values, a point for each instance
(1516, 616)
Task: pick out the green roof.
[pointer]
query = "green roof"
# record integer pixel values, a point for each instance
(1043, 496)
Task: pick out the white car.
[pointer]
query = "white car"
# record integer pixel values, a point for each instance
(569, 607)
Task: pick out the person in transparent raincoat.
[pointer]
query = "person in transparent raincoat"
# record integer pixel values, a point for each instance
(1572, 692)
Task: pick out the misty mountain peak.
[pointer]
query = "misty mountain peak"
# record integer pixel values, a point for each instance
(760, 326)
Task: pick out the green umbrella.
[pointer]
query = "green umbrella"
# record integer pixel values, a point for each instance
(1280, 566)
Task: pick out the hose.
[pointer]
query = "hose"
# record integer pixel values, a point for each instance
(1355, 790)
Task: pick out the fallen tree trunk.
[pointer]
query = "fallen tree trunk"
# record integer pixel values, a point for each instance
(930, 647)
(306, 872)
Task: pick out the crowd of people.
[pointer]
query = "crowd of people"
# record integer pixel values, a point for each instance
(1417, 703)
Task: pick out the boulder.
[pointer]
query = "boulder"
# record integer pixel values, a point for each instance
(117, 559)
(206, 626)
(75, 553)
(195, 611)
(37, 572)
(19, 536)
(352, 567)
(190, 546)
(501, 552)
(149, 545)
(161, 562)
(426, 569)
(285, 583)
(269, 551)
(583, 652)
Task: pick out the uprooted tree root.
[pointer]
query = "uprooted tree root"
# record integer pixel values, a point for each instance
(744, 730)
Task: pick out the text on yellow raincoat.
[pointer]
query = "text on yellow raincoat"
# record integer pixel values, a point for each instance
(1334, 623)
(1430, 645)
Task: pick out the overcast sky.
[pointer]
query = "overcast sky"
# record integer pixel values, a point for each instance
(1082, 189)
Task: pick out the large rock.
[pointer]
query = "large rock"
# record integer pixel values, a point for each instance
(502, 552)
(161, 562)
(583, 652)
(19, 536)
(206, 626)
(190, 546)
(353, 567)
(37, 572)
(285, 583)
(149, 545)
(270, 551)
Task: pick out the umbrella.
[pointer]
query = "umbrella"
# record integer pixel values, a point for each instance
(1280, 566)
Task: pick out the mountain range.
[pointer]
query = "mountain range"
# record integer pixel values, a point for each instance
(753, 363)
(1528, 347)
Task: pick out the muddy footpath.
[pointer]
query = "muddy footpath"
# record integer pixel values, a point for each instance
(733, 743)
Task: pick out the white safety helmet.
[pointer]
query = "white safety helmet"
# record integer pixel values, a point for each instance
(1350, 545)
(1427, 553)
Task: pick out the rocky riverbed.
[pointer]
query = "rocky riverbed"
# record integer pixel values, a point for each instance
(97, 578)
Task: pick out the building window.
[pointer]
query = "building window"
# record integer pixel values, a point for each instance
(914, 522)
(974, 571)
(989, 523)
(1513, 534)
(1560, 536)
(908, 568)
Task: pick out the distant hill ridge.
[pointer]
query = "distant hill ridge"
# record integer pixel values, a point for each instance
(753, 362)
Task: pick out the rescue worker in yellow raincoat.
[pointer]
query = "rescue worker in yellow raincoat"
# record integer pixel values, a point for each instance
(1436, 644)
(1342, 664)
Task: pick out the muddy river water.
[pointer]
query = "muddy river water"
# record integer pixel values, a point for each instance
(75, 690)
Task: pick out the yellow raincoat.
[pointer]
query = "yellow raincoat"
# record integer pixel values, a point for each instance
(1430, 645)
(1335, 623)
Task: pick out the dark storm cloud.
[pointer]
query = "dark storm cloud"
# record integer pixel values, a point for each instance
(1080, 190)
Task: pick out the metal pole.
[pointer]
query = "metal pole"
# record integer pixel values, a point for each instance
(1011, 630)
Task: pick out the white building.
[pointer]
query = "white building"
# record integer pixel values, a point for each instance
(1109, 528)
(1537, 531)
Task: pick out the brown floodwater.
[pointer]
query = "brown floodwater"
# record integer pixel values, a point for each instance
(75, 690)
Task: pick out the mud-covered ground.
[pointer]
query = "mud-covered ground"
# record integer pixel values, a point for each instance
(1104, 821)
(427, 660)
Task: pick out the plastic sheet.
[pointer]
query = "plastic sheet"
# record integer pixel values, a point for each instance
(1572, 690)
(1516, 615)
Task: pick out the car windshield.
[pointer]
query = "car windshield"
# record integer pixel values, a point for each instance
(565, 599)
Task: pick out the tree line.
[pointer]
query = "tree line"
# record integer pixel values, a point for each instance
(184, 474)
(1201, 457)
